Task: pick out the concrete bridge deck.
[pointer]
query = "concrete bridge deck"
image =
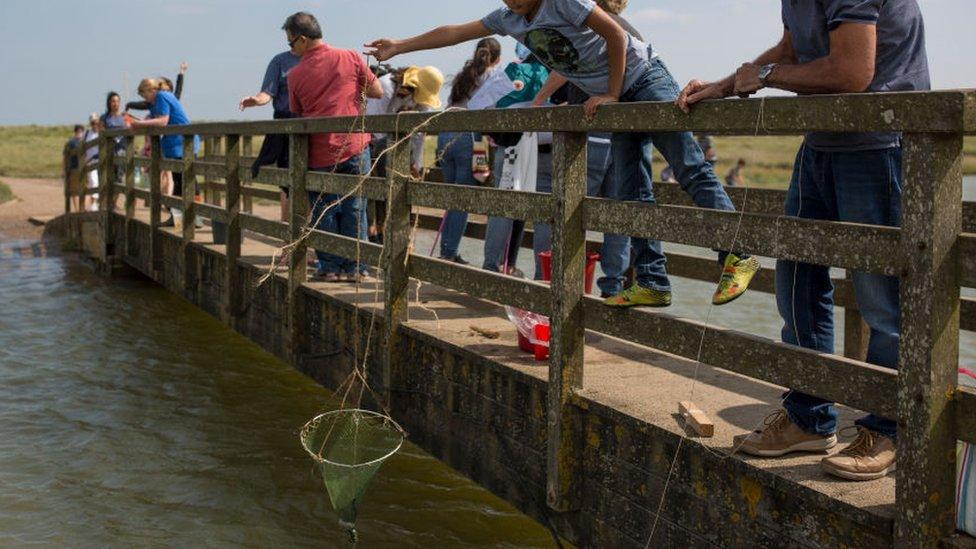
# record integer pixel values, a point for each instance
(479, 405)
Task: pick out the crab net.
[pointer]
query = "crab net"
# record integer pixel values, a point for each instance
(348, 447)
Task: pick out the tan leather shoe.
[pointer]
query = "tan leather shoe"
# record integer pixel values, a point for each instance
(780, 436)
(870, 456)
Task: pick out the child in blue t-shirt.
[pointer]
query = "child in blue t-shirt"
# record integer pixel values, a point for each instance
(580, 41)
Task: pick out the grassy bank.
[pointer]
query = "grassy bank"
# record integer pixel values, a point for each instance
(6, 194)
(35, 151)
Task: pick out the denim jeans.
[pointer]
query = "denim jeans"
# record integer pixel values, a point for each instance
(601, 182)
(681, 151)
(500, 229)
(347, 218)
(858, 187)
(455, 151)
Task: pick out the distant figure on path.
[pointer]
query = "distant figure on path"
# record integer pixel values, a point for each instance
(835, 46)
(734, 177)
(113, 118)
(69, 166)
(91, 161)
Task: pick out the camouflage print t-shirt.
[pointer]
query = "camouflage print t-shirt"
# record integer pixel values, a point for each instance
(560, 39)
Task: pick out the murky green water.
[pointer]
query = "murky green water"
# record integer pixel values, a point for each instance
(130, 418)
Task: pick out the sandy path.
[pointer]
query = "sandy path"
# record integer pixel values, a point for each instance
(35, 197)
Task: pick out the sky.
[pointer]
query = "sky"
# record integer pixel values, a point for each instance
(59, 57)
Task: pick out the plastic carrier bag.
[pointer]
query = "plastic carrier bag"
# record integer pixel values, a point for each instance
(966, 473)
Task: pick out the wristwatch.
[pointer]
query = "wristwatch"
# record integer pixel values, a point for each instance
(764, 73)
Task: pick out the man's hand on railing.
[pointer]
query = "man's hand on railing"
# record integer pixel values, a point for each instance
(699, 90)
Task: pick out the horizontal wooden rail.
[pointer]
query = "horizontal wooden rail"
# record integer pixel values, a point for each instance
(343, 246)
(967, 313)
(268, 176)
(864, 386)
(212, 212)
(966, 414)
(847, 245)
(941, 111)
(531, 296)
(173, 202)
(482, 200)
(373, 188)
(253, 192)
(267, 227)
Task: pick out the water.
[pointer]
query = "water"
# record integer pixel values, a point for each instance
(129, 417)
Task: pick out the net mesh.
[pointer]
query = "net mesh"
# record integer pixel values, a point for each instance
(349, 446)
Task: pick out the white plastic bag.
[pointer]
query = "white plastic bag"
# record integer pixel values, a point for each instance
(520, 164)
(525, 322)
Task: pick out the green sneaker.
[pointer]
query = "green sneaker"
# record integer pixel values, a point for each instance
(638, 296)
(736, 277)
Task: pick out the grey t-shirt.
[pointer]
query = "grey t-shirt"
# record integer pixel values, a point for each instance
(275, 79)
(559, 38)
(900, 65)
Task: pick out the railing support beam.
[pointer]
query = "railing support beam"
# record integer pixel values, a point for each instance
(232, 204)
(155, 205)
(396, 250)
(297, 267)
(189, 177)
(106, 196)
(929, 349)
(564, 456)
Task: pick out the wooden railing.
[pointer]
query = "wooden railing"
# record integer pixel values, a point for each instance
(931, 253)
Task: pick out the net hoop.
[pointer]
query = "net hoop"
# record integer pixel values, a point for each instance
(318, 458)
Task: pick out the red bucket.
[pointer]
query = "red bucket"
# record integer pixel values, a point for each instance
(545, 261)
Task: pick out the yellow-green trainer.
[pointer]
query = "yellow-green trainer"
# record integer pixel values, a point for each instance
(638, 296)
(736, 277)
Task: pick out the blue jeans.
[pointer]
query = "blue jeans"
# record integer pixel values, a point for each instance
(681, 151)
(499, 230)
(858, 187)
(347, 218)
(455, 151)
(601, 182)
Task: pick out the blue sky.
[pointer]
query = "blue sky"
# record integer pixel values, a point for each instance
(61, 57)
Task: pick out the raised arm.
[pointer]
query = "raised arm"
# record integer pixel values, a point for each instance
(441, 37)
(178, 92)
(138, 106)
(615, 35)
(159, 121)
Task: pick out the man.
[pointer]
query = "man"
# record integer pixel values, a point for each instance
(328, 82)
(69, 166)
(274, 90)
(836, 46)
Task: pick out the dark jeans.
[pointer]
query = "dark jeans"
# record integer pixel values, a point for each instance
(346, 217)
(857, 187)
(455, 151)
(681, 151)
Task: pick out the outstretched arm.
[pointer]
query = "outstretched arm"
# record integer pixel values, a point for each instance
(441, 37)
(599, 22)
(160, 121)
(552, 83)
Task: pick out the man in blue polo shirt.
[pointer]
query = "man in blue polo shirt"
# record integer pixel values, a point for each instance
(836, 46)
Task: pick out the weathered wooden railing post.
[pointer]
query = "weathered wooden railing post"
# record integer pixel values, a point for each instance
(155, 194)
(396, 250)
(297, 267)
(189, 177)
(130, 185)
(248, 146)
(563, 459)
(929, 349)
(106, 195)
(232, 205)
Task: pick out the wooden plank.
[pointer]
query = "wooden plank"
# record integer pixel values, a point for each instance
(344, 246)
(373, 188)
(213, 213)
(211, 170)
(928, 355)
(175, 166)
(171, 202)
(141, 194)
(848, 245)
(233, 296)
(267, 175)
(396, 251)
(106, 201)
(189, 207)
(696, 418)
(130, 195)
(155, 203)
(482, 200)
(297, 265)
(266, 227)
(966, 415)
(564, 425)
(940, 111)
(507, 290)
(859, 385)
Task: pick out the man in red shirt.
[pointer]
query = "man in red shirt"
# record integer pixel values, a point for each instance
(330, 82)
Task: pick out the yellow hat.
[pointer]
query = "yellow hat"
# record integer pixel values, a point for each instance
(426, 83)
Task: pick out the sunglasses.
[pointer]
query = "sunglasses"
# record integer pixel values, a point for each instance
(291, 43)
